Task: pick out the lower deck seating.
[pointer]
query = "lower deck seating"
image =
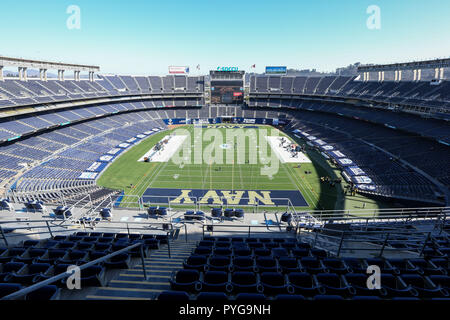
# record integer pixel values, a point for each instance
(221, 269)
(37, 260)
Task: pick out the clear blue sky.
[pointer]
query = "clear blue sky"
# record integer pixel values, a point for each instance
(145, 37)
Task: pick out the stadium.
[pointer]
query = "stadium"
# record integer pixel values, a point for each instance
(226, 186)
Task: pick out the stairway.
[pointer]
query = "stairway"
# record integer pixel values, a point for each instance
(131, 284)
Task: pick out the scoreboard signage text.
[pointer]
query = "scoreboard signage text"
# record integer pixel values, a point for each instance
(276, 70)
(178, 70)
(227, 69)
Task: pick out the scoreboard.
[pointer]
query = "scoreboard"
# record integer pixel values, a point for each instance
(227, 87)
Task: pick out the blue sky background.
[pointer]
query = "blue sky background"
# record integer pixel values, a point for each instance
(145, 37)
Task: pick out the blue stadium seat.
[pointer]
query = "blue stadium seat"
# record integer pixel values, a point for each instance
(189, 215)
(49, 292)
(242, 251)
(75, 257)
(383, 264)
(66, 245)
(289, 264)
(30, 243)
(219, 263)
(243, 264)
(244, 281)
(300, 252)
(358, 281)
(28, 273)
(425, 287)
(93, 276)
(403, 266)
(228, 213)
(426, 267)
(441, 280)
(334, 284)
(7, 269)
(120, 261)
(267, 264)
(288, 245)
(304, 284)
(335, 265)
(30, 255)
(239, 213)
(161, 211)
(275, 283)
(223, 251)
(216, 281)
(11, 253)
(216, 212)
(195, 262)
(204, 251)
(319, 253)
(186, 280)
(395, 287)
(355, 265)
(303, 245)
(206, 243)
(279, 252)
(312, 265)
(199, 215)
(262, 252)
(222, 244)
(9, 288)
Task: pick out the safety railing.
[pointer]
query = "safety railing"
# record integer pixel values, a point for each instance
(49, 228)
(36, 286)
(379, 214)
(247, 229)
(373, 242)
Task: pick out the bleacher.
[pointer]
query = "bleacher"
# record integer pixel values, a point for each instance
(272, 268)
(32, 261)
(420, 94)
(14, 92)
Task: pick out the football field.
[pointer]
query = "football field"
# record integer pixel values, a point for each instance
(217, 161)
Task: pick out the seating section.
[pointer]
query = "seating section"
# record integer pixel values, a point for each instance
(15, 92)
(356, 140)
(221, 269)
(420, 94)
(37, 260)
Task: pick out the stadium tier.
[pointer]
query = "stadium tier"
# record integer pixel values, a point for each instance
(423, 95)
(362, 180)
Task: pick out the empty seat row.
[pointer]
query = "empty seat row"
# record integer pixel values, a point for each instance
(302, 283)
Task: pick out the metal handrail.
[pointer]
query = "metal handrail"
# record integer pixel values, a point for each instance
(41, 284)
(247, 226)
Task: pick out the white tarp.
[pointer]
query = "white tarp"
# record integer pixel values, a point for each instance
(169, 149)
(283, 154)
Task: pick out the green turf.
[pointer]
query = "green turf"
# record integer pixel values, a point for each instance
(134, 177)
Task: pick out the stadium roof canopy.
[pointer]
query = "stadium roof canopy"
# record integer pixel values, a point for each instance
(426, 64)
(37, 64)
